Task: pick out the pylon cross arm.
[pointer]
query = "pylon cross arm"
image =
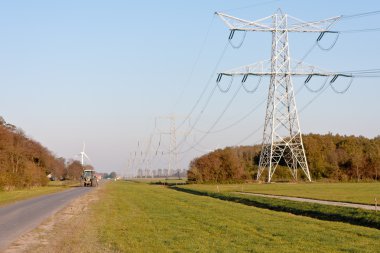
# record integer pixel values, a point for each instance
(298, 25)
(234, 23)
(282, 73)
(266, 24)
(263, 68)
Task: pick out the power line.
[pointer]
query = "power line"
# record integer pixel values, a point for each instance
(361, 30)
(216, 121)
(300, 111)
(341, 91)
(323, 86)
(253, 109)
(198, 118)
(313, 99)
(226, 90)
(366, 73)
(251, 5)
(282, 138)
(314, 90)
(261, 126)
(200, 148)
(249, 135)
(256, 107)
(367, 76)
(250, 112)
(205, 88)
(360, 15)
(362, 71)
(196, 60)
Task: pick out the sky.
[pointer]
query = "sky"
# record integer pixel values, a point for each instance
(108, 73)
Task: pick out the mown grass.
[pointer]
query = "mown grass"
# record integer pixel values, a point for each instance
(353, 216)
(67, 183)
(137, 217)
(363, 193)
(7, 197)
(163, 181)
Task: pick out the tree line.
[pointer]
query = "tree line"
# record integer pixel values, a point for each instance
(26, 163)
(330, 157)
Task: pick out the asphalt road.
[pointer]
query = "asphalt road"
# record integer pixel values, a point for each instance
(23, 216)
(323, 202)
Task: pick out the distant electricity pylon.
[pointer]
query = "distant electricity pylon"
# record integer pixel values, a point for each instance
(282, 138)
(173, 156)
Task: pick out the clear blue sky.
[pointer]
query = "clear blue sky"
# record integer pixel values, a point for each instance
(101, 71)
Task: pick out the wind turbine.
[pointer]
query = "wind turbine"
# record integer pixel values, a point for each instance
(83, 155)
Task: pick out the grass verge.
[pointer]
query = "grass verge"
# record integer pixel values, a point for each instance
(361, 193)
(136, 217)
(140, 217)
(353, 216)
(161, 181)
(7, 197)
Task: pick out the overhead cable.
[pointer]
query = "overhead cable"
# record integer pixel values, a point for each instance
(196, 61)
(361, 30)
(237, 46)
(256, 107)
(243, 82)
(333, 43)
(360, 15)
(228, 85)
(216, 121)
(313, 99)
(340, 91)
(316, 90)
(197, 119)
(251, 5)
(205, 88)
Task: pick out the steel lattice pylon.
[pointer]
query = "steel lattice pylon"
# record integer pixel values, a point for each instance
(282, 133)
(173, 154)
(282, 138)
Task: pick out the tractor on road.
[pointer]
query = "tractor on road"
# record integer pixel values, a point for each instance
(88, 178)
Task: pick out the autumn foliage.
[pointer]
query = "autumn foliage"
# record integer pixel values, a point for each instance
(223, 165)
(26, 163)
(330, 157)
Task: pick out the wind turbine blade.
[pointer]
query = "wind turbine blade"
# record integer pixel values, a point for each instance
(84, 146)
(87, 156)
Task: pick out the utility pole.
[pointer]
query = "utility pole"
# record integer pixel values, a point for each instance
(282, 138)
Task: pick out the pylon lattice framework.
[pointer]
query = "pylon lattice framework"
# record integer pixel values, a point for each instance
(282, 138)
(173, 155)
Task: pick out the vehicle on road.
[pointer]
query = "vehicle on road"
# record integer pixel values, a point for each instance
(89, 178)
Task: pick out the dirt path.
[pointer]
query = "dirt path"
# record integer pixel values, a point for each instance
(323, 202)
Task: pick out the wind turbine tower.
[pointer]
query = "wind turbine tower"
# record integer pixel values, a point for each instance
(83, 155)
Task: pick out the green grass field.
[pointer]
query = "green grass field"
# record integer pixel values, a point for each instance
(138, 217)
(364, 193)
(7, 197)
(171, 181)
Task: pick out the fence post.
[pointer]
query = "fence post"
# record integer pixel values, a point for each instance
(375, 204)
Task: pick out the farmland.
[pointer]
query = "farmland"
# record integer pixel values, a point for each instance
(139, 217)
(364, 193)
